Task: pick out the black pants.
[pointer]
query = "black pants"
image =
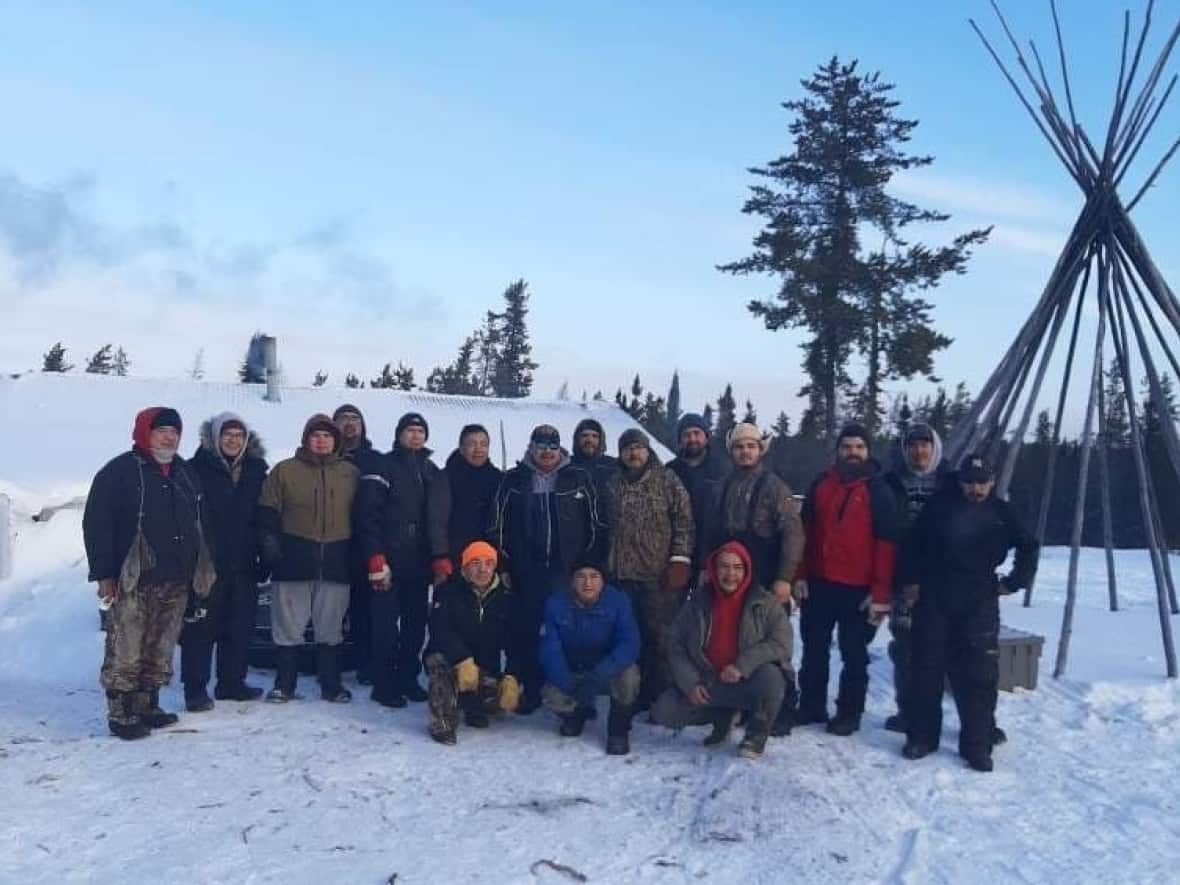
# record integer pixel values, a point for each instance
(531, 592)
(228, 626)
(360, 629)
(397, 621)
(383, 640)
(901, 653)
(964, 645)
(838, 606)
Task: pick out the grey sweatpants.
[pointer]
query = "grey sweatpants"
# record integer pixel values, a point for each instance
(294, 603)
(760, 695)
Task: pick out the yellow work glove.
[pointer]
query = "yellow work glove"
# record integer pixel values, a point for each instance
(467, 675)
(509, 694)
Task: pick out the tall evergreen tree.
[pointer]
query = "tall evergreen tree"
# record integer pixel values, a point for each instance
(55, 360)
(487, 352)
(101, 363)
(960, 405)
(938, 413)
(673, 406)
(403, 377)
(726, 415)
(352, 382)
(707, 417)
(253, 367)
(197, 371)
(1043, 435)
(818, 202)
(459, 377)
(751, 415)
(386, 380)
(1118, 423)
(321, 378)
(781, 429)
(513, 376)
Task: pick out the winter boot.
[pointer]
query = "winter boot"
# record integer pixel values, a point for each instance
(573, 723)
(530, 702)
(476, 718)
(394, 701)
(121, 717)
(722, 726)
(754, 742)
(999, 736)
(803, 716)
(785, 720)
(328, 671)
(979, 760)
(446, 737)
(618, 730)
(241, 692)
(844, 724)
(897, 723)
(915, 750)
(286, 674)
(413, 691)
(151, 712)
(196, 700)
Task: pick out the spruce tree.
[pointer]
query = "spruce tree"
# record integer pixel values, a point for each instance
(513, 376)
(781, 429)
(385, 380)
(751, 416)
(726, 415)
(707, 417)
(101, 363)
(673, 406)
(403, 377)
(818, 203)
(1118, 424)
(352, 382)
(121, 364)
(459, 377)
(55, 360)
(321, 378)
(253, 367)
(197, 372)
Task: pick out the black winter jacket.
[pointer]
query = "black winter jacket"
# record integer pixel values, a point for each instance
(956, 546)
(394, 516)
(600, 465)
(463, 626)
(462, 499)
(232, 507)
(546, 533)
(173, 511)
(704, 483)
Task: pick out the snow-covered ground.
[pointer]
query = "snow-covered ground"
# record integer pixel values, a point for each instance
(1085, 791)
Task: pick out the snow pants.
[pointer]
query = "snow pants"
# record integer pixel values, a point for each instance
(397, 630)
(760, 695)
(901, 653)
(655, 609)
(531, 592)
(228, 626)
(142, 631)
(841, 607)
(964, 645)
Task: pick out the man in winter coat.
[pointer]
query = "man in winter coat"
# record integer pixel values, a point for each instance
(920, 473)
(589, 453)
(846, 578)
(589, 647)
(356, 447)
(231, 465)
(756, 507)
(401, 533)
(466, 489)
(701, 467)
(305, 532)
(468, 638)
(651, 547)
(146, 546)
(544, 519)
(728, 649)
(949, 574)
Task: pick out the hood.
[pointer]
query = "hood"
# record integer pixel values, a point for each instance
(730, 547)
(935, 461)
(210, 433)
(142, 430)
(349, 407)
(589, 424)
(527, 462)
(320, 421)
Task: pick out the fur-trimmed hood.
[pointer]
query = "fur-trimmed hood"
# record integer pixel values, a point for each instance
(211, 430)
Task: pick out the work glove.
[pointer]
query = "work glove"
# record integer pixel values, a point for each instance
(380, 577)
(676, 576)
(509, 697)
(442, 568)
(466, 675)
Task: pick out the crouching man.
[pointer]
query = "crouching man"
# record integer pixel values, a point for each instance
(468, 637)
(729, 645)
(146, 549)
(590, 647)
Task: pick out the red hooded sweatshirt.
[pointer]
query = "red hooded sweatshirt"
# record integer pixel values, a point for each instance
(721, 649)
(141, 436)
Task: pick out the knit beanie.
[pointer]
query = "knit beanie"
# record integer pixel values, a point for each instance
(167, 417)
(631, 436)
(855, 431)
(477, 550)
(545, 433)
(411, 419)
(690, 420)
(321, 421)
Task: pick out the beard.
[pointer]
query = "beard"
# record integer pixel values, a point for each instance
(164, 454)
(693, 449)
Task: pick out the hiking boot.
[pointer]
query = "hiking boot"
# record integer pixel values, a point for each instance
(129, 731)
(197, 702)
(240, 692)
(286, 674)
(414, 692)
(447, 738)
(122, 720)
(337, 695)
(897, 723)
(754, 742)
(722, 726)
(573, 723)
(153, 715)
(394, 701)
(279, 696)
(783, 722)
(999, 736)
(914, 750)
(477, 719)
(810, 717)
(980, 760)
(328, 672)
(844, 725)
(618, 729)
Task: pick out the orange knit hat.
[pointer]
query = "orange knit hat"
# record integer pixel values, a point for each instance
(477, 550)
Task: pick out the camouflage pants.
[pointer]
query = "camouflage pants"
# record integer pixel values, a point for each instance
(655, 609)
(445, 700)
(143, 628)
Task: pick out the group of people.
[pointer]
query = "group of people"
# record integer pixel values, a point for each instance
(572, 575)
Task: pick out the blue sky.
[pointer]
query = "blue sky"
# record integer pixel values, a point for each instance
(365, 182)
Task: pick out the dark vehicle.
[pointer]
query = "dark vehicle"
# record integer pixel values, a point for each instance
(262, 647)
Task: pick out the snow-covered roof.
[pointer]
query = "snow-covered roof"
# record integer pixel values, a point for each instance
(60, 428)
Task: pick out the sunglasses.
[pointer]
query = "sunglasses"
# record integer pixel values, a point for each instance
(546, 446)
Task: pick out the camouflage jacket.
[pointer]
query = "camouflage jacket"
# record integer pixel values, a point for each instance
(651, 524)
(758, 508)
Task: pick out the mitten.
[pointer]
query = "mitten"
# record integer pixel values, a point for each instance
(509, 694)
(466, 675)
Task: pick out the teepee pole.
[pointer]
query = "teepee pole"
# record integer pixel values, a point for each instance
(1104, 483)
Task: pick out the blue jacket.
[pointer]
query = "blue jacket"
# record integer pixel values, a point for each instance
(600, 641)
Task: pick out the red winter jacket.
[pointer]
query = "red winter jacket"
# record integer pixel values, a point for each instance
(851, 532)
